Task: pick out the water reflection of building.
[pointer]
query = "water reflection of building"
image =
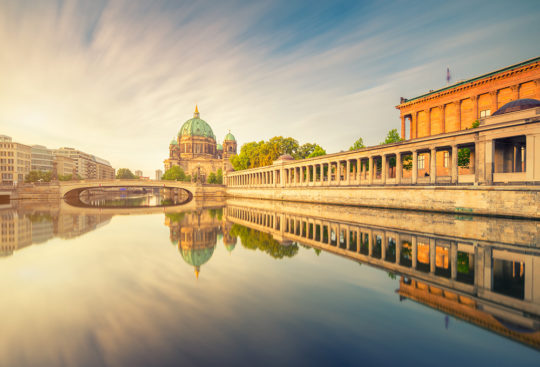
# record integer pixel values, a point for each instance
(196, 234)
(494, 276)
(16, 232)
(21, 228)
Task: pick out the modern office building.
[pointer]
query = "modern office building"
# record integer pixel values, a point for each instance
(159, 174)
(87, 166)
(42, 159)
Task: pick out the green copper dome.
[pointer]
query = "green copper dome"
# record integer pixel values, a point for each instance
(196, 127)
(174, 142)
(229, 137)
(219, 147)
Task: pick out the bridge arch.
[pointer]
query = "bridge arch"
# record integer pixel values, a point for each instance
(71, 192)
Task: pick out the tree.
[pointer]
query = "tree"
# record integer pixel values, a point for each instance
(317, 152)
(212, 178)
(464, 157)
(264, 153)
(392, 137)
(175, 173)
(38, 176)
(125, 173)
(359, 144)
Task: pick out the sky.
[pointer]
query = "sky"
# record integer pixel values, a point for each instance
(117, 79)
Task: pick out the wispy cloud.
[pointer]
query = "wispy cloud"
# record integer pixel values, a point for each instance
(118, 78)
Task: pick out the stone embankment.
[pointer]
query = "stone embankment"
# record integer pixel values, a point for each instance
(508, 201)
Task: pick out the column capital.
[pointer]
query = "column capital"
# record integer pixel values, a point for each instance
(473, 98)
(493, 93)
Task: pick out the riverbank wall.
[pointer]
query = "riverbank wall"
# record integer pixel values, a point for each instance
(505, 201)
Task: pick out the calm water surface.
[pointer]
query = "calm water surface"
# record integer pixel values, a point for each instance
(260, 283)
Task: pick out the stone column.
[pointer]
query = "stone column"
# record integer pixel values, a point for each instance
(399, 168)
(403, 127)
(414, 177)
(398, 248)
(453, 260)
(384, 245)
(443, 126)
(429, 121)
(494, 101)
(515, 92)
(414, 246)
(308, 174)
(489, 161)
(414, 122)
(431, 255)
(348, 173)
(370, 172)
(530, 149)
(383, 169)
(454, 164)
(474, 100)
(433, 166)
(458, 114)
(359, 170)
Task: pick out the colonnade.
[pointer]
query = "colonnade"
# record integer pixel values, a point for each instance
(484, 154)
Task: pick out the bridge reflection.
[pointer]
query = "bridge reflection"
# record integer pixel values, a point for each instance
(481, 280)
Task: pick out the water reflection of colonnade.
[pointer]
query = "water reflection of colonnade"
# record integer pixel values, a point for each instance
(460, 276)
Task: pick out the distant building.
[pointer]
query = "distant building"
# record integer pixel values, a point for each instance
(15, 161)
(87, 166)
(42, 159)
(159, 174)
(65, 165)
(196, 150)
(138, 173)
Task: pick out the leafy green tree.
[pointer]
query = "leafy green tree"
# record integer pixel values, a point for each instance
(65, 177)
(212, 178)
(358, 144)
(475, 124)
(317, 152)
(464, 157)
(38, 176)
(264, 153)
(392, 137)
(219, 176)
(175, 173)
(125, 174)
(306, 151)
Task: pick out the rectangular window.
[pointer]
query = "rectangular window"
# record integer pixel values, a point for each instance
(485, 113)
(421, 161)
(446, 160)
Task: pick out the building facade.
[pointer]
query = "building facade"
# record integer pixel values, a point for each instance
(64, 165)
(196, 150)
(15, 161)
(159, 174)
(42, 159)
(458, 106)
(87, 166)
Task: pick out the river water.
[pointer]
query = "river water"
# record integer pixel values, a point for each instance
(246, 282)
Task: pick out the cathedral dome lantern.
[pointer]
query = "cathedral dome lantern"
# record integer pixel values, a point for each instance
(196, 127)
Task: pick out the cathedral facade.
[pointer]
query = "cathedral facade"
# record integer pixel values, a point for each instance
(196, 150)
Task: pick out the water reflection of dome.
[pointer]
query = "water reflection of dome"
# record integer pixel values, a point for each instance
(196, 256)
